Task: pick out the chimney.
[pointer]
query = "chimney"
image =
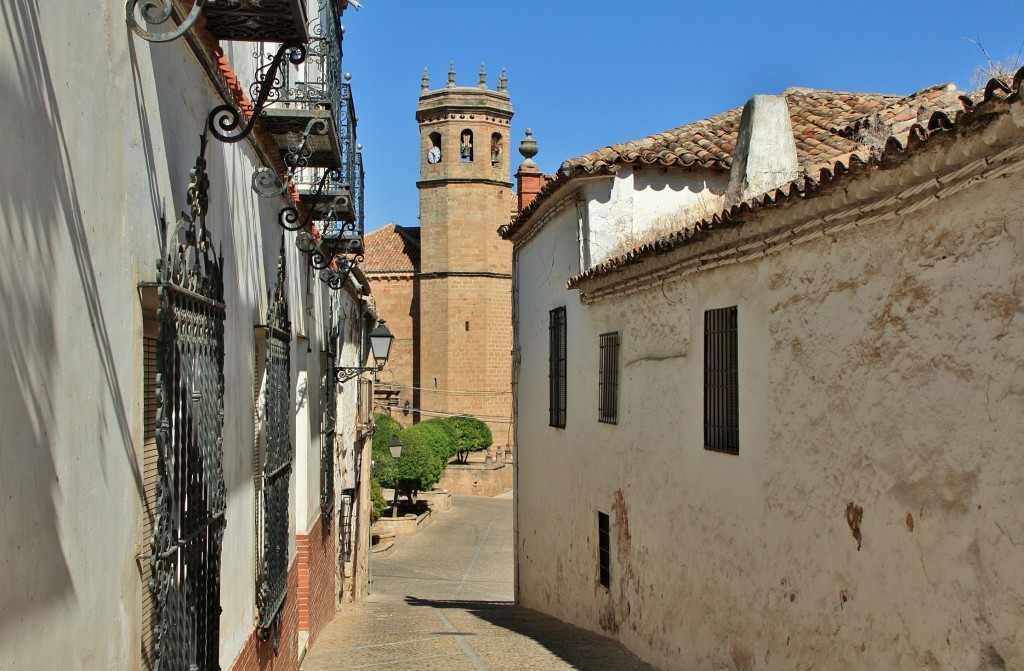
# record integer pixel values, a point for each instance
(529, 179)
(765, 150)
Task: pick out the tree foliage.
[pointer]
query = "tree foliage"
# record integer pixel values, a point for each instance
(384, 463)
(427, 448)
(468, 434)
(419, 468)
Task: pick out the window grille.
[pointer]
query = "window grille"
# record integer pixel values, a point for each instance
(273, 587)
(604, 550)
(150, 459)
(721, 381)
(348, 497)
(329, 428)
(608, 412)
(557, 368)
(190, 492)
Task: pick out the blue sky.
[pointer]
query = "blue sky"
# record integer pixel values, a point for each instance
(584, 74)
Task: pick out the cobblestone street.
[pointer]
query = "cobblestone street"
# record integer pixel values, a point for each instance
(443, 600)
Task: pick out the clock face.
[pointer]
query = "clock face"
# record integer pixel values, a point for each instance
(434, 155)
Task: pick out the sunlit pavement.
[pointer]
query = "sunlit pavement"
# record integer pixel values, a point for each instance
(442, 600)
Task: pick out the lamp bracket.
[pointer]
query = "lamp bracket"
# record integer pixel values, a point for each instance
(343, 374)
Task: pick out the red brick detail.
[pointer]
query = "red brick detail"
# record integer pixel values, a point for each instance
(529, 183)
(259, 655)
(317, 582)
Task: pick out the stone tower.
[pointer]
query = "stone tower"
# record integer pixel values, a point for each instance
(465, 280)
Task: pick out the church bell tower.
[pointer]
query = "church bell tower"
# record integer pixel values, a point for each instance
(465, 280)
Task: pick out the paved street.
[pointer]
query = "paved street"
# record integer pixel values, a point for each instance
(442, 600)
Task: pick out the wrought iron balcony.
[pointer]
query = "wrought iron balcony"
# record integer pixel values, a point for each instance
(282, 21)
(306, 91)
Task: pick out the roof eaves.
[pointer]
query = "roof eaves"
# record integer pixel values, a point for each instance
(997, 91)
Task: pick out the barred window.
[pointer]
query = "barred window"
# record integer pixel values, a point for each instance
(277, 465)
(557, 368)
(721, 381)
(150, 460)
(604, 550)
(608, 412)
(188, 525)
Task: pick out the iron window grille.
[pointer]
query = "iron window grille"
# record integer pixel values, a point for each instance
(273, 586)
(190, 492)
(150, 460)
(721, 381)
(190, 482)
(557, 368)
(608, 411)
(329, 429)
(604, 549)
(348, 497)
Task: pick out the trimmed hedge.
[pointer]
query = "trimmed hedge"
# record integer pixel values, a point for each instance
(469, 434)
(427, 448)
(387, 427)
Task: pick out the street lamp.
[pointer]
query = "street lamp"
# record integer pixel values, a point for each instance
(396, 451)
(380, 344)
(395, 446)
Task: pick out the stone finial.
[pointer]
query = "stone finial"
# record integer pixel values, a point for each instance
(502, 82)
(528, 148)
(451, 75)
(425, 82)
(483, 77)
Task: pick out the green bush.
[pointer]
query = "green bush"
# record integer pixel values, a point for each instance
(424, 451)
(377, 497)
(384, 466)
(442, 438)
(468, 434)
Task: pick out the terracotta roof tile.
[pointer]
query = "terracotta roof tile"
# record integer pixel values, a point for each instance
(826, 127)
(933, 102)
(392, 248)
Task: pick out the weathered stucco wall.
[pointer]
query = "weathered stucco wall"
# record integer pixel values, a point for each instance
(879, 367)
(100, 130)
(625, 208)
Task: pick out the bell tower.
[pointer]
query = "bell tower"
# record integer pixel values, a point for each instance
(465, 280)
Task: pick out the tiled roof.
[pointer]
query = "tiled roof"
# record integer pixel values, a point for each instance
(392, 248)
(970, 107)
(825, 128)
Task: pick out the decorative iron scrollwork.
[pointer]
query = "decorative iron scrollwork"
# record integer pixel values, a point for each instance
(157, 12)
(226, 120)
(335, 276)
(265, 181)
(289, 218)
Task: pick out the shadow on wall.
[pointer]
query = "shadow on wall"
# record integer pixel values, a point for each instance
(43, 237)
(579, 648)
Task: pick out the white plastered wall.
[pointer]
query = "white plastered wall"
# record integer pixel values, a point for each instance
(638, 204)
(101, 129)
(879, 366)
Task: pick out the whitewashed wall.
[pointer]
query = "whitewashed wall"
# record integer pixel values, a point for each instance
(99, 131)
(623, 210)
(879, 366)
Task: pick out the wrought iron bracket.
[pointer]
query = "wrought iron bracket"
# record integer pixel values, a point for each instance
(335, 279)
(343, 374)
(289, 215)
(225, 121)
(325, 251)
(156, 12)
(265, 181)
